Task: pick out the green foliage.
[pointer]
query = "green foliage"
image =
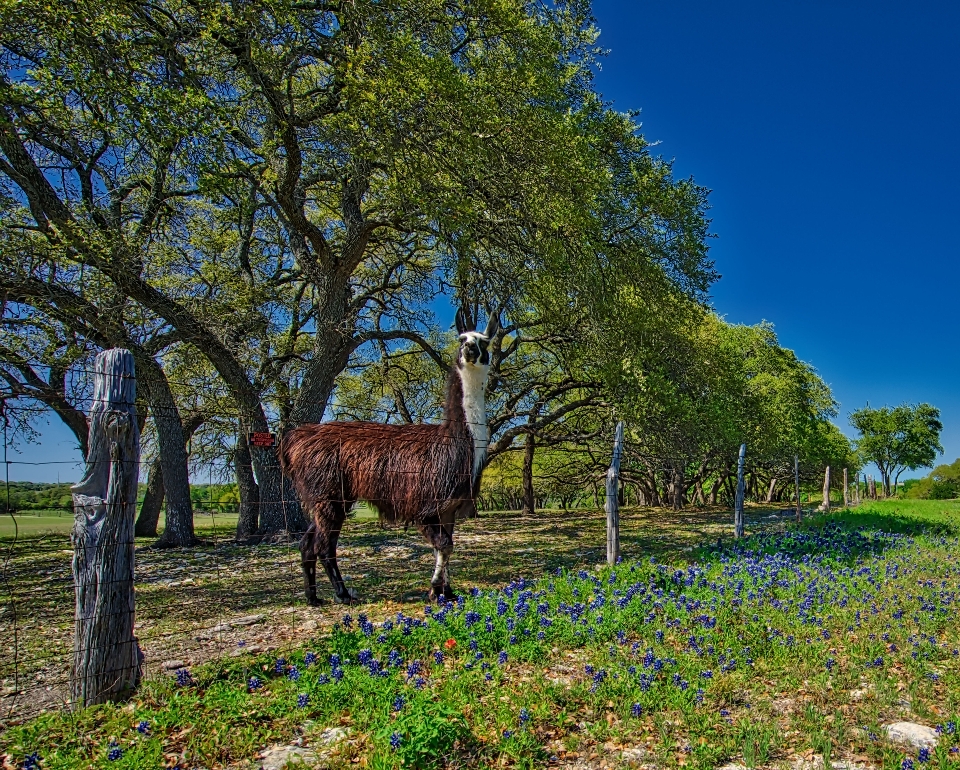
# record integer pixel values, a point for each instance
(429, 732)
(905, 437)
(30, 496)
(724, 680)
(943, 483)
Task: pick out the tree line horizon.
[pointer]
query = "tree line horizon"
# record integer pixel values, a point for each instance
(266, 204)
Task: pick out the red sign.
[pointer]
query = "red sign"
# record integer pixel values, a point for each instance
(264, 440)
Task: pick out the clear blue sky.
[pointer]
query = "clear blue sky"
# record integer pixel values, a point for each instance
(828, 132)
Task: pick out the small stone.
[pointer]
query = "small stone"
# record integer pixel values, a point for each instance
(783, 705)
(733, 766)
(172, 665)
(809, 763)
(911, 734)
(635, 757)
(332, 735)
(283, 757)
(248, 620)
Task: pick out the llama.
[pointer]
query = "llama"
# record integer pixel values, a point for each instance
(423, 475)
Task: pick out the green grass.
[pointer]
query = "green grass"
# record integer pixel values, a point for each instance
(793, 640)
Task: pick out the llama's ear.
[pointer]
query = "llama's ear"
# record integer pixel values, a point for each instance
(461, 322)
(493, 321)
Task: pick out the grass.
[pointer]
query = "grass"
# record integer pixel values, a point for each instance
(794, 640)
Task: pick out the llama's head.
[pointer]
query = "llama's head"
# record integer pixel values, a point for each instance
(474, 350)
(474, 346)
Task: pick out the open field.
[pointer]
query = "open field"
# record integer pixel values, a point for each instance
(793, 642)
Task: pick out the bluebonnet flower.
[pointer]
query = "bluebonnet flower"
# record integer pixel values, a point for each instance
(302, 700)
(309, 659)
(438, 657)
(502, 657)
(334, 660)
(923, 755)
(364, 657)
(907, 764)
(254, 683)
(337, 674)
(279, 665)
(293, 674)
(524, 716)
(636, 709)
(399, 702)
(184, 678)
(508, 733)
(395, 741)
(488, 676)
(143, 727)
(115, 752)
(31, 762)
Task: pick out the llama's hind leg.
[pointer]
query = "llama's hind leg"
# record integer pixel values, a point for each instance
(308, 563)
(327, 552)
(440, 535)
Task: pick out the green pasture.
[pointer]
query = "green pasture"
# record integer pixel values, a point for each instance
(796, 641)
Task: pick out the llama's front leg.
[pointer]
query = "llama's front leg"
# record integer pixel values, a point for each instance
(308, 562)
(328, 555)
(440, 583)
(440, 535)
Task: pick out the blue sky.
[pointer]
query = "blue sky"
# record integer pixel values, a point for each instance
(828, 134)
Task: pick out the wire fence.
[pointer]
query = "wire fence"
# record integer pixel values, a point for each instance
(222, 599)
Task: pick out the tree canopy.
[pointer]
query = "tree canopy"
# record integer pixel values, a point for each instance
(896, 439)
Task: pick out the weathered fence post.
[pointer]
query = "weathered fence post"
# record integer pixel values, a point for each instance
(825, 505)
(613, 502)
(738, 528)
(846, 490)
(106, 656)
(796, 483)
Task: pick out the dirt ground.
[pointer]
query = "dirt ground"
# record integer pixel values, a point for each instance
(221, 599)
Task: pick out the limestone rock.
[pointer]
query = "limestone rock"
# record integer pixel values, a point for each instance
(282, 757)
(911, 734)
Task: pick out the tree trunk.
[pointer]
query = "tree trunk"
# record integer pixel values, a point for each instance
(106, 656)
(247, 522)
(715, 489)
(529, 503)
(149, 517)
(846, 490)
(172, 444)
(771, 489)
(676, 489)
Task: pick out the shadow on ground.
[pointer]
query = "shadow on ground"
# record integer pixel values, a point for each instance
(223, 599)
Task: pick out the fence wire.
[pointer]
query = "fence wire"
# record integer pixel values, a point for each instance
(222, 600)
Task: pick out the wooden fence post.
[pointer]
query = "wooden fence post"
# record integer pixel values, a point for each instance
(846, 490)
(106, 656)
(796, 483)
(613, 502)
(738, 528)
(825, 505)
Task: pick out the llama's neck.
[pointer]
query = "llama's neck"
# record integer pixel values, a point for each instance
(474, 382)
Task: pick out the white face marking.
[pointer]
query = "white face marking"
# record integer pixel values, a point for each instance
(473, 337)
